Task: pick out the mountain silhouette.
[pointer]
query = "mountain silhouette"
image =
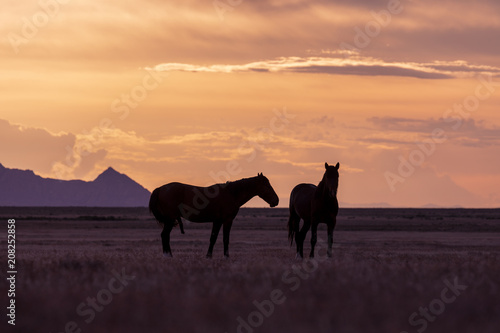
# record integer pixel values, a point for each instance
(109, 189)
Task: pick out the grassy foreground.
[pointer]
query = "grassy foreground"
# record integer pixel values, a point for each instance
(106, 275)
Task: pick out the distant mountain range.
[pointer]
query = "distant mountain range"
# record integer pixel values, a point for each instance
(109, 189)
(368, 205)
(386, 205)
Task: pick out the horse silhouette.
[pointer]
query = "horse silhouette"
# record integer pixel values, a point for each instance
(218, 203)
(314, 204)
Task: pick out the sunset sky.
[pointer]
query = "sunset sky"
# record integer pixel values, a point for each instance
(405, 95)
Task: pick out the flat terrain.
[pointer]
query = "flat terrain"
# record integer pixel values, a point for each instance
(102, 270)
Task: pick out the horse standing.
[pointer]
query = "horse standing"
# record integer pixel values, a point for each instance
(218, 203)
(314, 204)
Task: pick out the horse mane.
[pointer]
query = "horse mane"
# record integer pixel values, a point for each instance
(233, 186)
(321, 186)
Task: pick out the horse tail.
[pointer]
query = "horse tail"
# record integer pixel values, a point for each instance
(153, 206)
(161, 219)
(292, 220)
(291, 230)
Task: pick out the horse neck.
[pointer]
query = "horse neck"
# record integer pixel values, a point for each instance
(243, 190)
(323, 190)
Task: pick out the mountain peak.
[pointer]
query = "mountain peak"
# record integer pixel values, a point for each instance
(110, 170)
(109, 173)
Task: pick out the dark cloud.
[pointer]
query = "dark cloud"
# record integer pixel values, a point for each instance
(470, 133)
(38, 149)
(324, 120)
(32, 148)
(384, 141)
(88, 163)
(405, 124)
(371, 71)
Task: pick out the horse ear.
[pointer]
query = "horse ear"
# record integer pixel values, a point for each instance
(326, 165)
(337, 166)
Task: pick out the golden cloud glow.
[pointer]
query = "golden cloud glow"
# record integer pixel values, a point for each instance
(222, 78)
(352, 64)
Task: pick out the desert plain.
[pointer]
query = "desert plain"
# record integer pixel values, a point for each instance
(393, 270)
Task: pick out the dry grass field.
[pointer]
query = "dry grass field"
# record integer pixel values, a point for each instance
(102, 270)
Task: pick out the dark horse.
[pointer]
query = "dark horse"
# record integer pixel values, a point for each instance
(218, 203)
(314, 204)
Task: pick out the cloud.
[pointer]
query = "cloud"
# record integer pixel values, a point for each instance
(318, 166)
(433, 188)
(213, 138)
(350, 64)
(303, 144)
(193, 31)
(400, 131)
(32, 148)
(88, 163)
(401, 124)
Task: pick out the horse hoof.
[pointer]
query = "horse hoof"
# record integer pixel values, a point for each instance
(209, 256)
(298, 256)
(167, 254)
(226, 256)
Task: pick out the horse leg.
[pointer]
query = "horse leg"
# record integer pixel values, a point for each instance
(301, 238)
(226, 230)
(213, 237)
(165, 239)
(179, 220)
(331, 226)
(314, 238)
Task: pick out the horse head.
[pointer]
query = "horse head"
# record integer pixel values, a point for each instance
(266, 192)
(331, 179)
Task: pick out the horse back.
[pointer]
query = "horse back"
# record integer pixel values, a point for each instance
(194, 203)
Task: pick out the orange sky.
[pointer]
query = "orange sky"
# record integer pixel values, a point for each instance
(177, 91)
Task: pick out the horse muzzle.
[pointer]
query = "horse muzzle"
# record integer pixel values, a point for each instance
(274, 204)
